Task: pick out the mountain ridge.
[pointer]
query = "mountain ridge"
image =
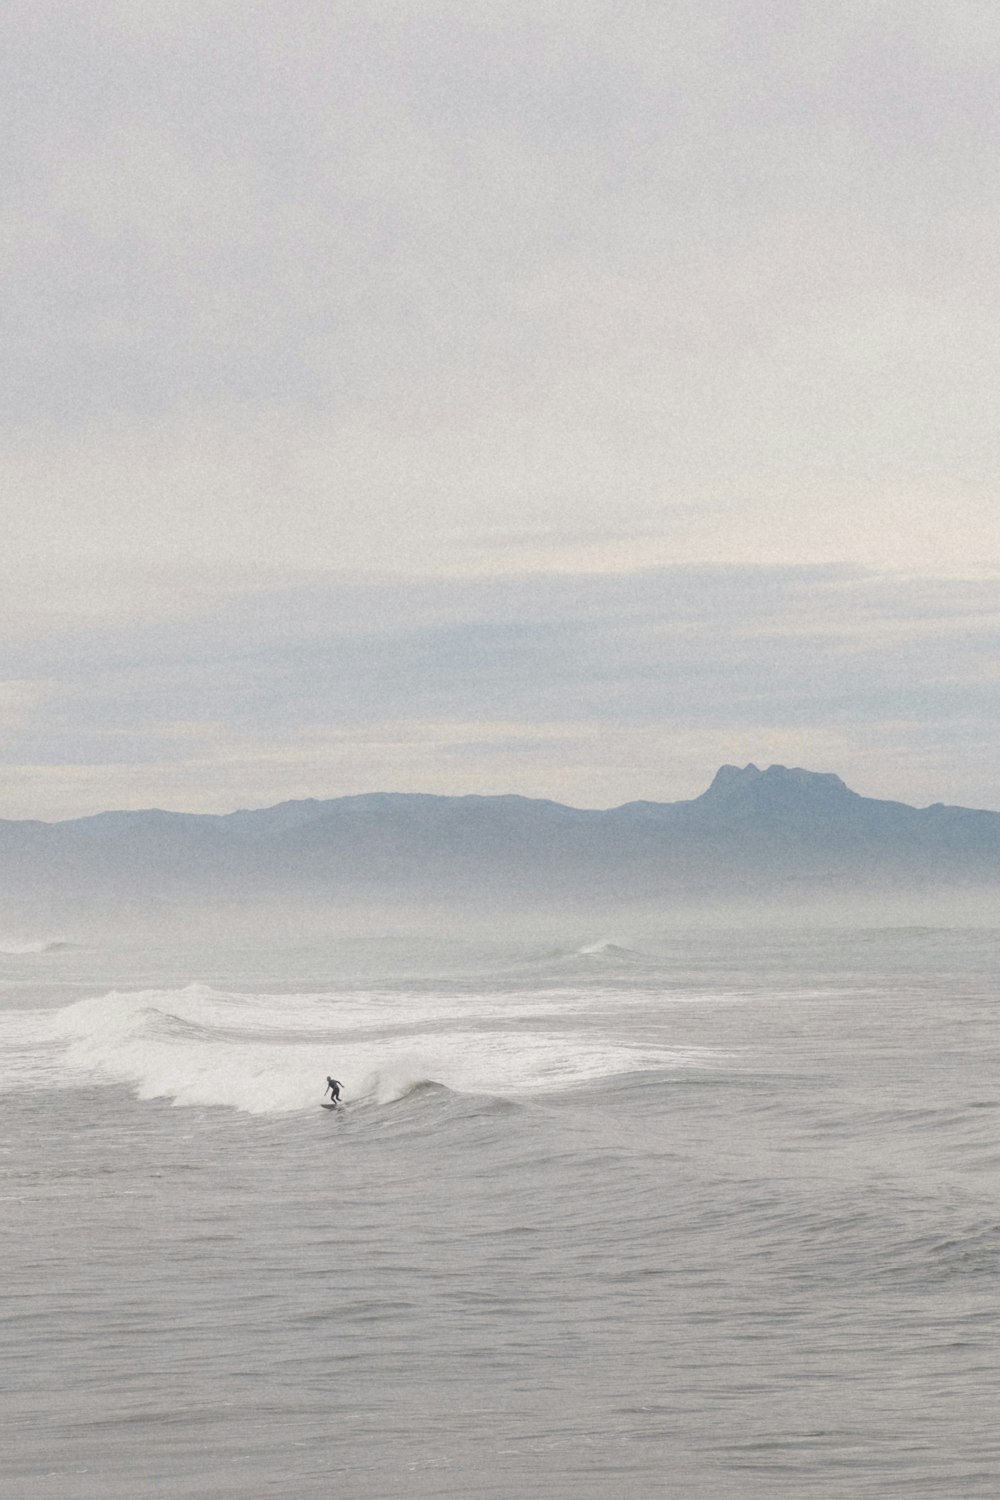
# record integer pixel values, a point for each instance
(753, 835)
(729, 780)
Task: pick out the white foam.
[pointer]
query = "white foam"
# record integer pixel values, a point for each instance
(271, 1053)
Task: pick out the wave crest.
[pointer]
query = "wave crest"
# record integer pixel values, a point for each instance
(41, 945)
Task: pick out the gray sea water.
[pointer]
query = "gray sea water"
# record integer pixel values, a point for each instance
(700, 1215)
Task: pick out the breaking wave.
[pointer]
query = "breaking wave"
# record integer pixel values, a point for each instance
(266, 1053)
(43, 945)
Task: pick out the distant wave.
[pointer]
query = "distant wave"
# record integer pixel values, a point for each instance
(43, 945)
(601, 957)
(606, 949)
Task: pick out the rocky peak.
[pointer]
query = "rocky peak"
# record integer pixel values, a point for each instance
(749, 788)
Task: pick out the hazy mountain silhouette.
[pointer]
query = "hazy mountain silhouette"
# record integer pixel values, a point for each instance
(770, 836)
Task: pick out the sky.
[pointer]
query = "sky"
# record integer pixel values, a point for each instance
(561, 398)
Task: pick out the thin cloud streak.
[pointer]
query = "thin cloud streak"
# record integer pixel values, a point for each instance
(524, 684)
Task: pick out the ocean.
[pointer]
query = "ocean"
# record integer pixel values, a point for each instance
(703, 1214)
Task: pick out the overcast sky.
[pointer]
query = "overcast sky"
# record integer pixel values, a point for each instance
(560, 397)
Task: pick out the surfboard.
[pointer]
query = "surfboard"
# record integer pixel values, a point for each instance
(330, 1106)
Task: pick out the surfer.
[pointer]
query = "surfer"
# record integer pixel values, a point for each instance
(333, 1088)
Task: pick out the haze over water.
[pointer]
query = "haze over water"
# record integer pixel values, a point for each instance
(701, 1214)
